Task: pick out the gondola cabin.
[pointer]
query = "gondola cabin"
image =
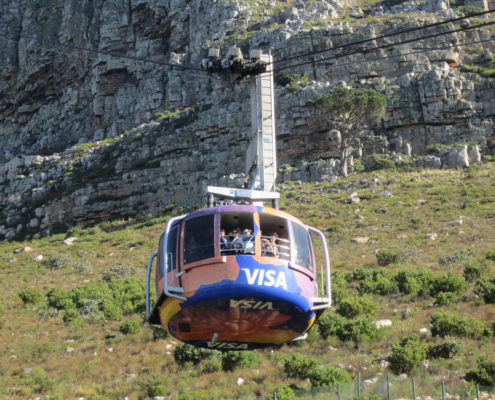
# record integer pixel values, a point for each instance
(237, 277)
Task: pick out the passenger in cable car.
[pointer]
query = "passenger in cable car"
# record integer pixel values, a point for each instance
(248, 241)
(224, 242)
(237, 244)
(270, 247)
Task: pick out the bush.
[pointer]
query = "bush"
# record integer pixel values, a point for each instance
(60, 299)
(447, 282)
(386, 257)
(157, 390)
(490, 255)
(473, 269)
(407, 354)
(447, 349)
(57, 261)
(484, 374)
(130, 327)
(375, 281)
(211, 366)
(376, 162)
(98, 301)
(30, 296)
(284, 393)
(189, 354)
(352, 307)
(329, 324)
(485, 288)
(407, 281)
(237, 359)
(445, 299)
(298, 365)
(357, 330)
(159, 334)
(449, 324)
(328, 376)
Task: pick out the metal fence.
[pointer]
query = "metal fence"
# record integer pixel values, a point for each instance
(391, 387)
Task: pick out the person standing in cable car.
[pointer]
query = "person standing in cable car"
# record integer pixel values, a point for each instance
(248, 241)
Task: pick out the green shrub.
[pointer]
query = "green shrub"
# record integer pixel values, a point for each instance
(449, 348)
(284, 393)
(159, 334)
(340, 280)
(376, 162)
(469, 10)
(445, 299)
(60, 299)
(157, 390)
(490, 255)
(329, 324)
(357, 330)
(189, 354)
(328, 376)
(447, 282)
(298, 365)
(386, 257)
(484, 374)
(130, 327)
(353, 306)
(473, 269)
(485, 288)
(237, 359)
(57, 261)
(211, 365)
(30, 296)
(407, 281)
(375, 281)
(408, 354)
(450, 324)
(71, 315)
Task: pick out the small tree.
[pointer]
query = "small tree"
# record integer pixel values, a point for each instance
(350, 112)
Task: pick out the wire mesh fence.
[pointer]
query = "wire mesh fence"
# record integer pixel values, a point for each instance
(391, 387)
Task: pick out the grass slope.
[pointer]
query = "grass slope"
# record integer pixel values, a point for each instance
(91, 357)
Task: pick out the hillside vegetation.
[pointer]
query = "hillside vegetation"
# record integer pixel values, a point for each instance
(415, 248)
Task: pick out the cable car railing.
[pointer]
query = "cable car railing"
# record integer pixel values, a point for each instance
(167, 290)
(325, 300)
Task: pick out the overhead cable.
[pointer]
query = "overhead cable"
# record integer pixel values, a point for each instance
(385, 46)
(382, 36)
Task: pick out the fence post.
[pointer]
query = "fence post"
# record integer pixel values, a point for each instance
(414, 388)
(274, 395)
(443, 390)
(477, 391)
(359, 384)
(388, 386)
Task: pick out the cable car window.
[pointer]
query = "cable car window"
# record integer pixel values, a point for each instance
(302, 246)
(198, 239)
(237, 230)
(172, 249)
(274, 237)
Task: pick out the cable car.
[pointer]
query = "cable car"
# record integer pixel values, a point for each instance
(238, 277)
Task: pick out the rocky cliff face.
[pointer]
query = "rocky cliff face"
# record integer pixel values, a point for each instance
(86, 134)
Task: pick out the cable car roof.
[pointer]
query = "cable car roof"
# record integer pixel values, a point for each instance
(242, 208)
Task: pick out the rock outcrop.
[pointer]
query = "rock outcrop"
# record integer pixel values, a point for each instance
(86, 133)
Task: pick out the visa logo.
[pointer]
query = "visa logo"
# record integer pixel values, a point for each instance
(268, 277)
(252, 304)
